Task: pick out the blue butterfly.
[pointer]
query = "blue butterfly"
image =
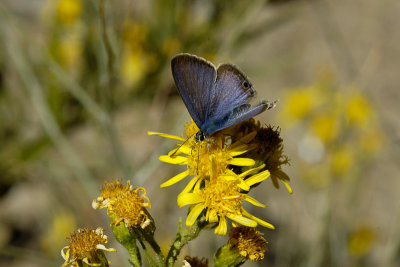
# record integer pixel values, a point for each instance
(216, 98)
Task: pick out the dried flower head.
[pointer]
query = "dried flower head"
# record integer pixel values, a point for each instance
(250, 242)
(126, 203)
(83, 247)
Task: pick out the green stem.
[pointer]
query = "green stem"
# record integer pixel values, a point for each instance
(183, 236)
(228, 256)
(149, 237)
(128, 240)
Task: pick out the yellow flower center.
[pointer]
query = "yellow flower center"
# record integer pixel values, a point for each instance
(221, 197)
(129, 208)
(200, 157)
(83, 242)
(113, 189)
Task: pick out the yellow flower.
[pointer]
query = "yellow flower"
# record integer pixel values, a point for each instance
(70, 50)
(62, 224)
(361, 241)
(299, 102)
(343, 159)
(358, 110)
(68, 11)
(371, 141)
(197, 156)
(126, 203)
(326, 127)
(133, 67)
(250, 242)
(83, 247)
(171, 46)
(222, 197)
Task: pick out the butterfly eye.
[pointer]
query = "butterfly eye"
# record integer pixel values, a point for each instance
(246, 85)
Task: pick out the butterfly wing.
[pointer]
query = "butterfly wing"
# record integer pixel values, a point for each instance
(231, 90)
(237, 115)
(230, 97)
(195, 78)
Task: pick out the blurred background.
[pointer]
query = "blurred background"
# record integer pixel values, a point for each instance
(82, 81)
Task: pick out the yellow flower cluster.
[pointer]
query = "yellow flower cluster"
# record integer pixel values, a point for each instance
(125, 202)
(222, 175)
(339, 125)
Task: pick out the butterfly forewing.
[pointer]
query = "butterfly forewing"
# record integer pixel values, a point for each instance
(195, 78)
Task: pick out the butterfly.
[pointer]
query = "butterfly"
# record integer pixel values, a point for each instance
(216, 97)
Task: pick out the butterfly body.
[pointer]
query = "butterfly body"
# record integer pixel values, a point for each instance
(216, 98)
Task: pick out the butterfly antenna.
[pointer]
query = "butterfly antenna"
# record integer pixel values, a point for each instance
(177, 149)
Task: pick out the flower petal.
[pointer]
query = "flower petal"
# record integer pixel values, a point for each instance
(102, 247)
(65, 255)
(257, 178)
(253, 201)
(259, 221)
(188, 199)
(190, 185)
(222, 227)
(173, 160)
(212, 216)
(175, 179)
(242, 220)
(170, 136)
(244, 140)
(248, 172)
(238, 150)
(242, 162)
(194, 214)
(287, 186)
(86, 260)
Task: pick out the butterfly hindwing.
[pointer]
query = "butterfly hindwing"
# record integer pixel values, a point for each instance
(239, 114)
(195, 78)
(232, 89)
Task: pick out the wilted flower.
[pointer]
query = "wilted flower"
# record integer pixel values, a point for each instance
(84, 246)
(250, 242)
(125, 202)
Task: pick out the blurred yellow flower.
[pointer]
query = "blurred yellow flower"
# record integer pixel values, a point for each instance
(133, 67)
(342, 159)
(68, 11)
(171, 46)
(299, 102)
(134, 34)
(361, 242)
(358, 110)
(69, 51)
(62, 224)
(371, 141)
(325, 126)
